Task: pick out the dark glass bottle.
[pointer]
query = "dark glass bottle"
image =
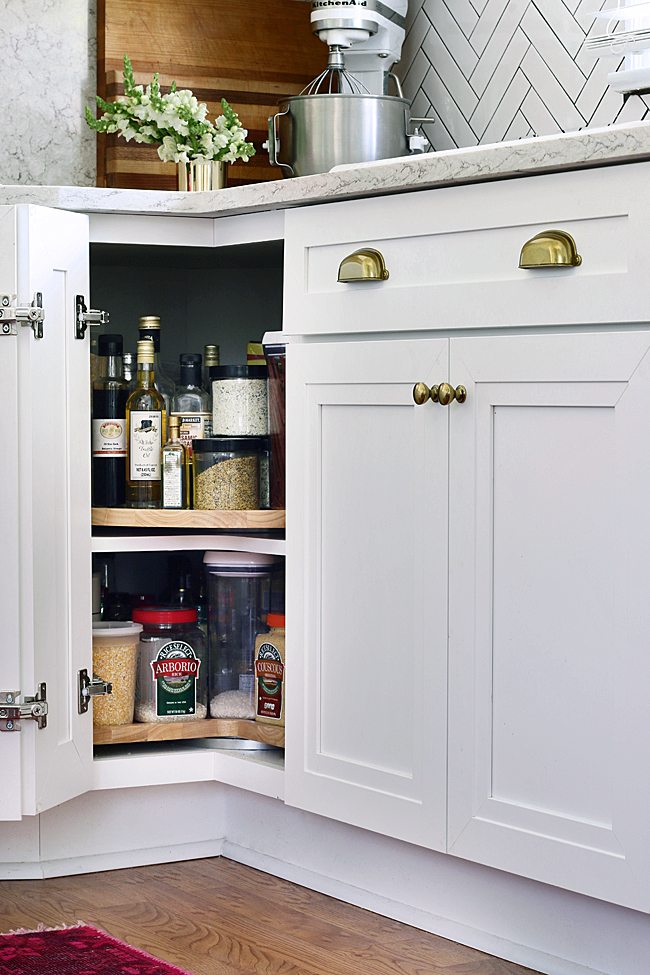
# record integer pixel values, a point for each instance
(110, 393)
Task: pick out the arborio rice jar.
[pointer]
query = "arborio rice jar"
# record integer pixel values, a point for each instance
(115, 647)
(240, 401)
(172, 679)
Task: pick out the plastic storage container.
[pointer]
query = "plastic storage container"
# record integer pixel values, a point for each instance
(172, 680)
(115, 649)
(240, 402)
(227, 473)
(238, 600)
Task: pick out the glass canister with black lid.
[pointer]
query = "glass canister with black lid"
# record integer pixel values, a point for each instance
(172, 678)
(240, 401)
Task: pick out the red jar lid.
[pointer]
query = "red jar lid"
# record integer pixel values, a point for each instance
(275, 619)
(165, 614)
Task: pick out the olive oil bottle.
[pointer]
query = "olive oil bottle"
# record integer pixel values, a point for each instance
(145, 424)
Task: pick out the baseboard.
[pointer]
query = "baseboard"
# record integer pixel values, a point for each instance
(532, 958)
(119, 860)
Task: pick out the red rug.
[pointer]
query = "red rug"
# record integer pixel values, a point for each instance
(81, 950)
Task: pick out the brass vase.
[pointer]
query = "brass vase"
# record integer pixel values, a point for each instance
(194, 176)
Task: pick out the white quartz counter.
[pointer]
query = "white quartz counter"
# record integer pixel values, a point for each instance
(572, 150)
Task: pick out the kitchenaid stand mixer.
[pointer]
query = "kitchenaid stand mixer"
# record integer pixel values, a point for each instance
(346, 114)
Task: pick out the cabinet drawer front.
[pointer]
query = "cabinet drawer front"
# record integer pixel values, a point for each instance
(548, 608)
(453, 256)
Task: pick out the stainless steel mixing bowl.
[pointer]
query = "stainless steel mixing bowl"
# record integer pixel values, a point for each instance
(312, 133)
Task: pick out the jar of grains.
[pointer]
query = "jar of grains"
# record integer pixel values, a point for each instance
(172, 679)
(240, 402)
(115, 647)
(269, 672)
(227, 472)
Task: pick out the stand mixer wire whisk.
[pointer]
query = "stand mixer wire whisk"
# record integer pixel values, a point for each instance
(335, 78)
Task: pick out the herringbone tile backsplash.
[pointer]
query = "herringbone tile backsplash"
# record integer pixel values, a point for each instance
(490, 70)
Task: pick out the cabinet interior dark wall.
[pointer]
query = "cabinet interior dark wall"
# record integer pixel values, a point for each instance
(228, 296)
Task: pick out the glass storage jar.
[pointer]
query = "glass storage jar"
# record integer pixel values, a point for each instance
(227, 473)
(115, 647)
(240, 401)
(172, 680)
(238, 601)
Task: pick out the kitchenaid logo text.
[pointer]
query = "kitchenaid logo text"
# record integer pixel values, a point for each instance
(318, 4)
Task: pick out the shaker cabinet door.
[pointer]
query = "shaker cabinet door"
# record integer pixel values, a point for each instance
(549, 609)
(367, 586)
(45, 510)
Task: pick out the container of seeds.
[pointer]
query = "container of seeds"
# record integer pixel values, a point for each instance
(227, 473)
(240, 401)
(115, 648)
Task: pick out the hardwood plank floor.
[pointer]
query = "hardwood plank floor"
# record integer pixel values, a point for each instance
(217, 917)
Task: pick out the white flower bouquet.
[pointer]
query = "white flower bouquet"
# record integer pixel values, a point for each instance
(176, 122)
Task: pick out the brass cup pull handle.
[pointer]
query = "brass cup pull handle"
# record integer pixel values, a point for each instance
(445, 394)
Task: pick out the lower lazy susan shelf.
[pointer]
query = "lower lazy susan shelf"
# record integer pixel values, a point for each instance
(161, 518)
(203, 728)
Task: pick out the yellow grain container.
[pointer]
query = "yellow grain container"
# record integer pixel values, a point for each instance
(115, 648)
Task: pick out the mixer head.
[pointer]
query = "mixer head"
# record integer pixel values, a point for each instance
(370, 31)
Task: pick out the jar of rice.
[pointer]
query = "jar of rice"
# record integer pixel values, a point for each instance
(115, 647)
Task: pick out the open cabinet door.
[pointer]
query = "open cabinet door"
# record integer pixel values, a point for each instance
(45, 598)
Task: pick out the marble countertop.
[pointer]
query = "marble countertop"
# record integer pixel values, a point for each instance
(572, 150)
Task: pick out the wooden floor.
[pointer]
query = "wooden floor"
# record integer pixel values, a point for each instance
(217, 917)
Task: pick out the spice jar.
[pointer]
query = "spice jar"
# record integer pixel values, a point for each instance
(227, 472)
(269, 672)
(115, 647)
(240, 405)
(238, 599)
(172, 680)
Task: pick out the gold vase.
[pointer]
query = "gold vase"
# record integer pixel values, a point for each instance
(194, 176)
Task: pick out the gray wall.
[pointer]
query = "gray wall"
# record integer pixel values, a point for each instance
(47, 76)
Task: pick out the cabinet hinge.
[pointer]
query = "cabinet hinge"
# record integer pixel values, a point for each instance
(11, 314)
(33, 708)
(83, 317)
(88, 688)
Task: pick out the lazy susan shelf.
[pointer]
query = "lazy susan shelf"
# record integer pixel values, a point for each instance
(160, 518)
(174, 730)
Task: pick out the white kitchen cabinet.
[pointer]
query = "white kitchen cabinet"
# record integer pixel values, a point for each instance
(367, 587)
(45, 493)
(515, 521)
(45, 596)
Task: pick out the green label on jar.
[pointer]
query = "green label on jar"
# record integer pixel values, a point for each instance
(175, 671)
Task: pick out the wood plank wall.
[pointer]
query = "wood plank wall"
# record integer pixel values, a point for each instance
(252, 52)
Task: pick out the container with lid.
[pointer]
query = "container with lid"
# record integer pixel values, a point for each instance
(227, 473)
(269, 672)
(238, 600)
(172, 680)
(239, 401)
(115, 648)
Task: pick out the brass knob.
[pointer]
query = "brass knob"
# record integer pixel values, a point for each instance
(364, 265)
(445, 394)
(421, 393)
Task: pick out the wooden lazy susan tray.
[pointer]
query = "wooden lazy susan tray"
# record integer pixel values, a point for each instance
(160, 518)
(176, 730)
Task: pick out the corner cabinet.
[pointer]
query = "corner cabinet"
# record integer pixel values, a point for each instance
(45, 487)
(470, 583)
